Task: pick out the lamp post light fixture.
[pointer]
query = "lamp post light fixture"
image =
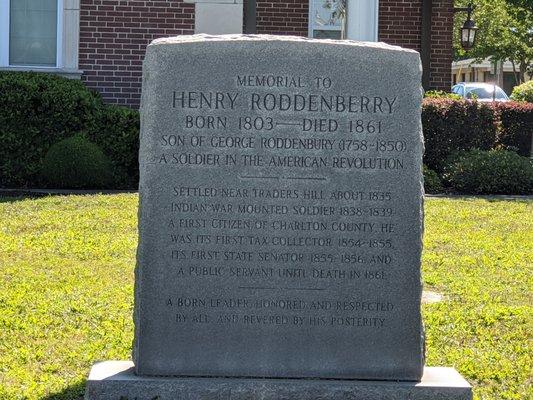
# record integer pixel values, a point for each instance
(468, 31)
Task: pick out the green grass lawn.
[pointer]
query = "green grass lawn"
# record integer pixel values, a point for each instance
(66, 291)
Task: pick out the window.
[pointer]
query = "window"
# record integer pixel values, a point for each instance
(30, 33)
(486, 93)
(350, 19)
(326, 19)
(458, 89)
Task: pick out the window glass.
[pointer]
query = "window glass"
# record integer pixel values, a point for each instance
(327, 18)
(486, 93)
(33, 32)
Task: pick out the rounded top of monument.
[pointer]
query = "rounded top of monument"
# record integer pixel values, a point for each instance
(202, 37)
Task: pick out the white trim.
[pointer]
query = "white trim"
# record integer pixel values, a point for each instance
(362, 21)
(66, 72)
(376, 23)
(214, 1)
(4, 32)
(327, 28)
(59, 45)
(485, 63)
(310, 20)
(71, 34)
(207, 18)
(4, 38)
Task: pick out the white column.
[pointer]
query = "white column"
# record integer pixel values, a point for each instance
(71, 34)
(362, 20)
(218, 16)
(4, 33)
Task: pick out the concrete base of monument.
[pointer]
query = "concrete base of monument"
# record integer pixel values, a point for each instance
(115, 380)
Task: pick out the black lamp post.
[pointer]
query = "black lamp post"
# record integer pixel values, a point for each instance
(468, 31)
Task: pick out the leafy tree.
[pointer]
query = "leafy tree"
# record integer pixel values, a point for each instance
(505, 33)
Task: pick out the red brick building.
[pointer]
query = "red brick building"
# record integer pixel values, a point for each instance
(103, 41)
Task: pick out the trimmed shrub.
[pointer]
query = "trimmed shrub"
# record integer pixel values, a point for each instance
(117, 133)
(516, 126)
(489, 172)
(523, 92)
(76, 163)
(36, 111)
(432, 182)
(441, 94)
(455, 125)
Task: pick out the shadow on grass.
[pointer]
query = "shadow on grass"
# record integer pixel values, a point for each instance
(12, 196)
(73, 392)
(495, 198)
(14, 199)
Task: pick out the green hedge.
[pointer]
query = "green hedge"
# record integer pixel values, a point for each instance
(516, 126)
(523, 92)
(36, 111)
(76, 163)
(489, 172)
(117, 133)
(441, 94)
(432, 182)
(455, 125)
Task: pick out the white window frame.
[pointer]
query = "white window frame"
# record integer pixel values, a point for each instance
(4, 38)
(368, 36)
(311, 18)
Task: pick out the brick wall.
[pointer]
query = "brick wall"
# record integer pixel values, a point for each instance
(114, 34)
(441, 45)
(400, 24)
(113, 38)
(282, 17)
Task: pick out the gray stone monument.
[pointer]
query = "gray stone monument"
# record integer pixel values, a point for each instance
(280, 225)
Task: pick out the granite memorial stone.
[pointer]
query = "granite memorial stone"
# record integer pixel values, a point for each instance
(280, 225)
(281, 210)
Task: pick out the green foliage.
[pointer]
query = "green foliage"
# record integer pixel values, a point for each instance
(523, 92)
(516, 126)
(76, 163)
(66, 291)
(504, 32)
(432, 182)
(441, 94)
(452, 125)
(36, 111)
(489, 172)
(117, 133)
